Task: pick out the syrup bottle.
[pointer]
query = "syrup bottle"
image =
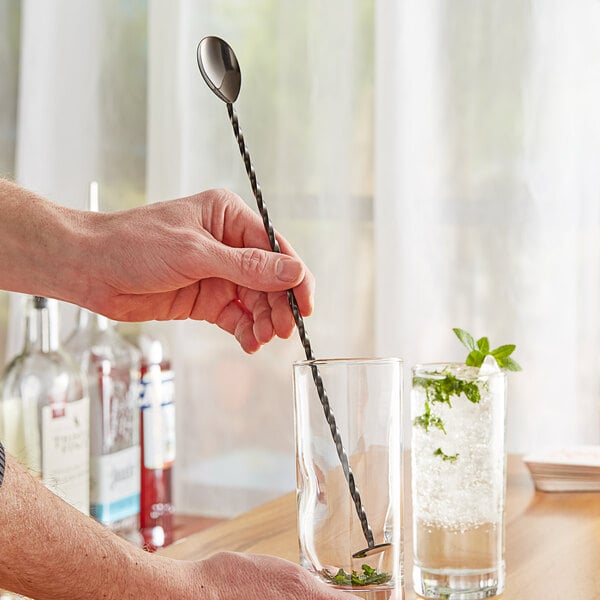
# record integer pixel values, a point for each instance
(157, 427)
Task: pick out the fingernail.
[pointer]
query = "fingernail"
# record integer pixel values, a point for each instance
(288, 269)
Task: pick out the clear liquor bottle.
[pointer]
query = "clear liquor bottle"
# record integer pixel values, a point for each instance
(44, 408)
(112, 367)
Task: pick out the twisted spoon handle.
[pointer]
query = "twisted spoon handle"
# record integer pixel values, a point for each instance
(335, 434)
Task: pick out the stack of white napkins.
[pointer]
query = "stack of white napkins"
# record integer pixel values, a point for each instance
(575, 469)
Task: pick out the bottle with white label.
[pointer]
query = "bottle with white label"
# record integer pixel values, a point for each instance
(44, 408)
(157, 407)
(112, 366)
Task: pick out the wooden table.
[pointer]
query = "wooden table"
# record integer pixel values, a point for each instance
(552, 539)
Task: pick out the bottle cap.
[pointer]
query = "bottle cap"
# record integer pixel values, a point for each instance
(40, 302)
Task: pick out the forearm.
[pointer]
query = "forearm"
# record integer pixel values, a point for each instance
(52, 551)
(36, 233)
(203, 257)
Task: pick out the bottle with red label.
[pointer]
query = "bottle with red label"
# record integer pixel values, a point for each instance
(157, 438)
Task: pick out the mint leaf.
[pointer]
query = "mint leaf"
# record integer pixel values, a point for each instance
(427, 420)
(369, 576)
(368, 570)
(484, 345)
(503, 351)
(446, 457)
(475, 358)
(510, 364)
(478, 351)
(441, 391)
(466, 338)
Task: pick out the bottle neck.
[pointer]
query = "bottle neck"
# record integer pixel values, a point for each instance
(87, 319)
(41, 325)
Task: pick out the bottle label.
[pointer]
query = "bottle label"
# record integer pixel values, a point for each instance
(115, 485)
(158, 418)
(66, 452)
(20, 434)
(114, 397)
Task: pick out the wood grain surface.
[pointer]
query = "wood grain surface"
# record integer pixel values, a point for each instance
(552, 539)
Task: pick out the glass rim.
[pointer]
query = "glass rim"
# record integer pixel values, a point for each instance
(373, 360)
(429, 368)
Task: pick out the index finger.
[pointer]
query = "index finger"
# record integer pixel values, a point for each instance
(248, 230)
(305, 290)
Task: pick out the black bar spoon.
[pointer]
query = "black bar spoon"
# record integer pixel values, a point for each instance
(221, 71)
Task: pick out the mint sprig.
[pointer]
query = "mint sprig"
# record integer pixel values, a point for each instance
(369, 576)
(441, 390)
(479, 349)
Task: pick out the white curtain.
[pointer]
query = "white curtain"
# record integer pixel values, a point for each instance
(434, 163)
(488, 197)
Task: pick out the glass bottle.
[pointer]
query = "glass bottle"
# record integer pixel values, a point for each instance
(44, 408)
(112, 366)
(157, 426)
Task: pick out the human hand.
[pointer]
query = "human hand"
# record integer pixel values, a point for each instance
(203, 257)
(105, 566)
(233, 576)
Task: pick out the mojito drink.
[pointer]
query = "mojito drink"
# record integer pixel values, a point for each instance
(458, 480)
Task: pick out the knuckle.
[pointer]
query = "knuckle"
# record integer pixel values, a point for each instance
(254, 261)
(226, 197)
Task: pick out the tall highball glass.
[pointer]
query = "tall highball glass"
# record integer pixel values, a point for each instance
(365, 399)
(458, 480)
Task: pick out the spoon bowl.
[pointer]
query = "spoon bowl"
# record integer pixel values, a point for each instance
(219, 68)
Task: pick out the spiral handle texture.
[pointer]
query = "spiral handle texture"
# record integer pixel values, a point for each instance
(335, 434)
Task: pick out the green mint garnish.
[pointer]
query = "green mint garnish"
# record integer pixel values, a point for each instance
(447, 457)
(369, 576)
(427, 420)
(443, 389)
(479, 349)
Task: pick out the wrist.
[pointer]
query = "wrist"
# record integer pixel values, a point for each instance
(70, 242)
(154, 577)
(75, 242)
(45, 245)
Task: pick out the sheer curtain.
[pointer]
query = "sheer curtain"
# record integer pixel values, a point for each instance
(434, 163)
(487, 211)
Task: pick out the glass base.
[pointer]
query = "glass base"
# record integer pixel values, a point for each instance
(370, 594)
(390, 591)
(458, 584)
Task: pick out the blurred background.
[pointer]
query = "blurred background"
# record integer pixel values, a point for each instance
(436, 165)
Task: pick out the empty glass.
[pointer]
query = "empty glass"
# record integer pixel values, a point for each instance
(365, 399)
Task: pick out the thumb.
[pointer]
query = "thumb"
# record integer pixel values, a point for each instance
(258, 269)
